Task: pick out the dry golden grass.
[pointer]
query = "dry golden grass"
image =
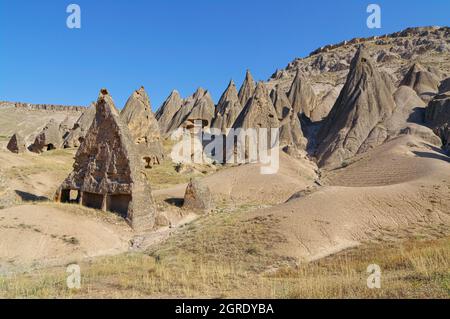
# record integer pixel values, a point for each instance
(165, 175)
(217, 257)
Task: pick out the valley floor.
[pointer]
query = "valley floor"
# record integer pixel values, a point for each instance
(265, 239)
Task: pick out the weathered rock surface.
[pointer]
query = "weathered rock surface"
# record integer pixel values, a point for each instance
(107, 173)
(422, 81)
(144, 128)
(290, 128)
(49, 138)
(203, 110)
(199, 106)
(228, 108)
(327, 67)
(259, 111)
(363, 103)
(247, 89)
(167, 111)
(76, 135)
(437, 117)
(17, 144)
(301, 95)
(198, 197)
(445, 86)
(43, 107)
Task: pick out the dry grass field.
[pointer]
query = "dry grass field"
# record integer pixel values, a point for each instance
(195, 263)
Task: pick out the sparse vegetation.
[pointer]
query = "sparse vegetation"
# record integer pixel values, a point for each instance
(217, 257)
(70, 240)
(165, 175)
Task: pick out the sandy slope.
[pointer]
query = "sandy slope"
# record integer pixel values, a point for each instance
(31, 176)
(34, 235)
(409, 200)
(29, 123)
(246, 185)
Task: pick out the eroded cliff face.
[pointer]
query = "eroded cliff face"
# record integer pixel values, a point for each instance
(365, 101)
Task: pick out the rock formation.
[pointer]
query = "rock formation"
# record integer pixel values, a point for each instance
(445, 86)
(301, 95)
(291, 134)
(259, 111)
(144, 128)
(247, 89)
(199, 106)
(76, 135)
(65, 127)
(203, 110)
(364, 102)
(422, 81)
(437, 117)
(228, 108)
(107, 173)
(198, 197)
(49, 138)
(167, 111)
(17, 144)
(327, 67)
(325, 103)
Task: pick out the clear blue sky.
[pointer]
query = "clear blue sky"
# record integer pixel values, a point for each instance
(174, 44)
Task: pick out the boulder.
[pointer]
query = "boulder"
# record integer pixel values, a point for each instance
(198, 197)
(17, 144)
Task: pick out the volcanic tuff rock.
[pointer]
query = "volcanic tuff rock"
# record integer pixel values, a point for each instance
(199, 106)
(437, 116)
(247, 89)
(76, 135)
(422, 81)
(48, 139)
(445, 86)
(363, 103)
(259, 112)
(17, 144)
(326, 68)
(203, 110)
(144, 128)
(198, 197)
(167, 111)
(301, 95)
(107, 173)
(290, 128)
(228, 108)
